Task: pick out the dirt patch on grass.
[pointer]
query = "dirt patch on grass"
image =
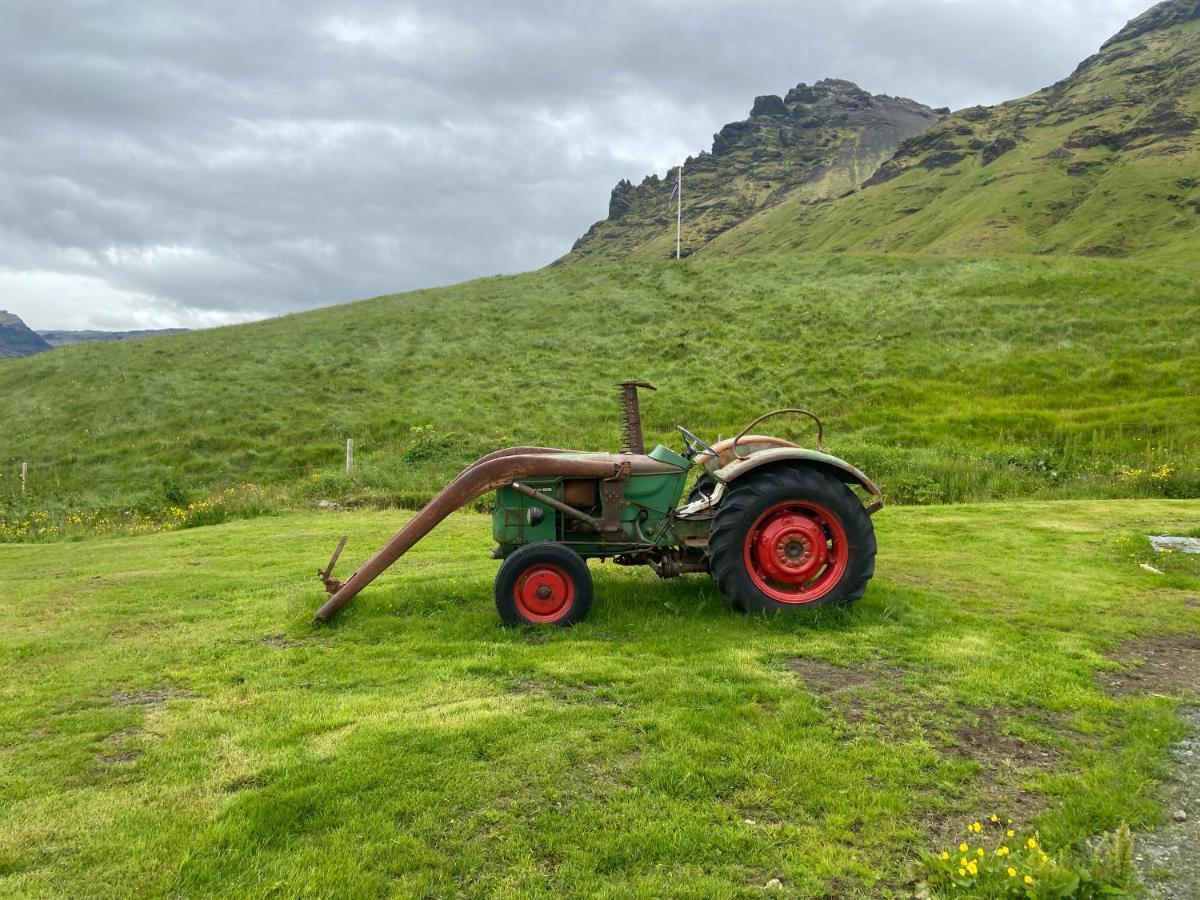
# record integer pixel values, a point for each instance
(986, 742)
(281, 642)
(586, 694)
(875, 697)
(150, 698)
(1163, 664)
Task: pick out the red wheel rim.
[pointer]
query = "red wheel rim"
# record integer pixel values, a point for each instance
(796, 552)
(544, 593)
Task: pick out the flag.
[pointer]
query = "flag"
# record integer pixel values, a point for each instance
(675, 187)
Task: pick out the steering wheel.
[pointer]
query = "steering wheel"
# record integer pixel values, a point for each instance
(694, 445)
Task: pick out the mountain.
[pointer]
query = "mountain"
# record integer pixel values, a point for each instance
(17, 338)
(1105, 162)
(817, 142)
(66, 338)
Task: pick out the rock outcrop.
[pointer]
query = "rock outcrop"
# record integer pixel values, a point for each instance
(823, 139)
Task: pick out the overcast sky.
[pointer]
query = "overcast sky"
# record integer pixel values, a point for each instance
(197, 163)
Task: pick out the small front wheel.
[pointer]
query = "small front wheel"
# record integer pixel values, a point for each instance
(543, 584)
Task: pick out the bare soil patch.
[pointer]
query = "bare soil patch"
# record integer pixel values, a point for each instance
(876, 697)
(150, 698)
(1162, 664)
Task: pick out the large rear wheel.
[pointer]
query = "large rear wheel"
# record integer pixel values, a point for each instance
(791, 538)
(543, 584)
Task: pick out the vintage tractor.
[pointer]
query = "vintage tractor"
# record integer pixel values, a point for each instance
(778, 526)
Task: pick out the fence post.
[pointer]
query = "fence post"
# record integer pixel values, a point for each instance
(24, 475)
(349, 456)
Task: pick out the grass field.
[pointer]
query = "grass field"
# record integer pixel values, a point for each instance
(172, 723)
(946, 380)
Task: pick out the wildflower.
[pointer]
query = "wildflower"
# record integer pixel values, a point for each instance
(973, 868)
(1002, 851)
(1029, 879)
(962, 872)
(994, 818)
(945, 855)
(1011, 833)
(1045, 857)
(963, 861)
(1012, 873)
(980, 852)
(963, 848)
(1031, 843)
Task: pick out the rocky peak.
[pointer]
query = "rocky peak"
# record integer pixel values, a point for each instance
(1157, 18)
(832, 132)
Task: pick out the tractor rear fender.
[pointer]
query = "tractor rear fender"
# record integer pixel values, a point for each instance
(799, 456)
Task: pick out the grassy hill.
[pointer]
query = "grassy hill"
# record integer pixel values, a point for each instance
(1103, 163)
(174, 725)
(946, 379)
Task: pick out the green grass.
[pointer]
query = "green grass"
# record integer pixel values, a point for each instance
(946, 380)
(173, 724)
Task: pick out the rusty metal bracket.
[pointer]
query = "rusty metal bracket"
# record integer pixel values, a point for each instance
(612, 497)
(332, 585)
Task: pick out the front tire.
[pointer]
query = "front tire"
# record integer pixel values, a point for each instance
(543, 584)
(791, 538)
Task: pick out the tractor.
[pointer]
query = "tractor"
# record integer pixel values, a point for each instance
(778, 526)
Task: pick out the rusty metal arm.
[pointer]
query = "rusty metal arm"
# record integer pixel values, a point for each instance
(492, 471)
(780, 412)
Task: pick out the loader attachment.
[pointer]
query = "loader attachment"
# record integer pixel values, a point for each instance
(486, 474)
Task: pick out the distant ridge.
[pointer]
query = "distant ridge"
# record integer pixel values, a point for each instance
(65, 338)
(18, 339)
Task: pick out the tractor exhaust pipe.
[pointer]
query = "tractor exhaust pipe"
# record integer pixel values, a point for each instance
(485, 474)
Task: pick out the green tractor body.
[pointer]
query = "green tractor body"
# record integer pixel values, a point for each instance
(777, 525)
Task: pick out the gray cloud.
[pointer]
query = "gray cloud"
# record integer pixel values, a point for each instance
(183, 163)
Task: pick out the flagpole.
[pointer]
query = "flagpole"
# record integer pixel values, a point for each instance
(679, 211)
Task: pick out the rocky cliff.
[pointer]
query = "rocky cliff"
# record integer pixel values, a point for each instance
(816, 142)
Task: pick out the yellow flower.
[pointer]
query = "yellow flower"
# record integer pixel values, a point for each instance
(945, 855)
(1029, 879)
(1002, 851)
(1012, 873)
(963, 848)
(1011, 833)
(975, 826)
(972, 867)
(962, 872)
(1045, 858)
(1031, 843)
(963, 861)
(994, 818)
(980, 852)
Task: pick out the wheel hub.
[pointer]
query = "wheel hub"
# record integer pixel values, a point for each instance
(790, 548)
(543, 592)
(796, 551)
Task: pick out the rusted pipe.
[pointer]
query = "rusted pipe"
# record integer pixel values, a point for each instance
(487, 474)
(554, 503)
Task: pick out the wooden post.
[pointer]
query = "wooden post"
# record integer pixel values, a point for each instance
(24, 475)
(349, 456)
